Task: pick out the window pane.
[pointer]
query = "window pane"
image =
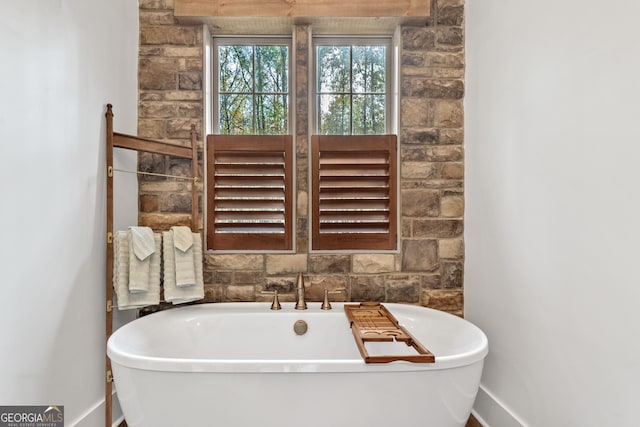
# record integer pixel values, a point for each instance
(369, 69)
(252, 79)
(351, 79)
(334, 70)
(236, 112)
(235, 71)
(272, 114)
(334, 114)
(272, 69)
(368, 114)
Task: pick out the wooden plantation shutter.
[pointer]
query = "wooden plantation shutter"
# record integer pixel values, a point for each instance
(354, 184)
(249, 194)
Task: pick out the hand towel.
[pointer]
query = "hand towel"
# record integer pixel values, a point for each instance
(141, 246)
(184, 256)
(173, 293)
(144, 243)
(125, 299)
(182, 238)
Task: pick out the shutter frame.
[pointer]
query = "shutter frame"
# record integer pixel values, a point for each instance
(240, 172)
(352, 165)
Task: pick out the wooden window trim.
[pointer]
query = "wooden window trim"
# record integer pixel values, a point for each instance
(252, 145)
(363, 146)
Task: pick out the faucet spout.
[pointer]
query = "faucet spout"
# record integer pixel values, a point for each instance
(301, 304)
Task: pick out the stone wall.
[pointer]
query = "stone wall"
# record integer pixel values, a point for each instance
(170, 82)
(432, 156)
(429, 268)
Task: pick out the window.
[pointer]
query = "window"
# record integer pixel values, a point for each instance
(250, 158)
(352, 86)
(252, 85)
(353, 160)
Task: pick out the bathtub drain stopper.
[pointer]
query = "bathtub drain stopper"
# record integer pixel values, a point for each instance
(300, 327)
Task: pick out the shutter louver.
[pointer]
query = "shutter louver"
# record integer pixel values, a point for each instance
(249, 192)
(354, 192)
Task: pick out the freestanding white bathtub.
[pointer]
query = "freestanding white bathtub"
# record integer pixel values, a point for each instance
(242, 365)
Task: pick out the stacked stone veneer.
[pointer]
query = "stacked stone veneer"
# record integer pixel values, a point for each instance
(429, 268)
(170, 82)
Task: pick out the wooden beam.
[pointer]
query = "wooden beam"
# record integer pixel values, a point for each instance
(302, 8)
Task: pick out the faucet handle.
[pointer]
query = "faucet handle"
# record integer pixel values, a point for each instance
(326, 305)
(275, 305)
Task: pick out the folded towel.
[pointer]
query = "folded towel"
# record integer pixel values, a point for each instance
(144, 243)
(183, 240)
(125, 299)
(182, 294)
(141, 246)
(182, 237)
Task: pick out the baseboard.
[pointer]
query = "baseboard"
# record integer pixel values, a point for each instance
(491, 412)
(478, 419)
(94, 416)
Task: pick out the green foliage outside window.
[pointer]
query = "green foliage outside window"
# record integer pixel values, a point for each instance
(253, 89)
(351, 89)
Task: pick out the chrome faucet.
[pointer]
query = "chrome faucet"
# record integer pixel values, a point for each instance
(301, 304)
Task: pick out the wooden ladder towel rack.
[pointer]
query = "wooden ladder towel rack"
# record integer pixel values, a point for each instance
(119, 140)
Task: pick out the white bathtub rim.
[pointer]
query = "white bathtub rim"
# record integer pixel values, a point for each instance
(284, 366)
(150, 363)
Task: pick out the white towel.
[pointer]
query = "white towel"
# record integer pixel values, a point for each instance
(127, 300)
(173, 293)
(144, 243)
(141, 246)
(183, 240)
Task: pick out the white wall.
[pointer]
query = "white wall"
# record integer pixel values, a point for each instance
(62, 61)
(553, 209)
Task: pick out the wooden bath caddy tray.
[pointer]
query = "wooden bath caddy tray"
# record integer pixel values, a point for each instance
(372, 322)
